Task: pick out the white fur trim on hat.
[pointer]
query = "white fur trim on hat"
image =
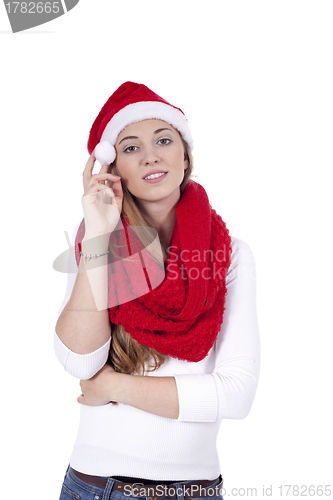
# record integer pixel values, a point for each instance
(146, 110)
(105, 153)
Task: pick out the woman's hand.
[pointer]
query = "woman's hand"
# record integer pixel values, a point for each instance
(101, 205)
(97, 391)
(156, 395)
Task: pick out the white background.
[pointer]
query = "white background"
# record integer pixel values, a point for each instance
(255, 80)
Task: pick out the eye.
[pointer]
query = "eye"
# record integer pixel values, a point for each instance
(164, 141)
(130, 149)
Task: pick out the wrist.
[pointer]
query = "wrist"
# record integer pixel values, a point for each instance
(95, 244)
(120, 387)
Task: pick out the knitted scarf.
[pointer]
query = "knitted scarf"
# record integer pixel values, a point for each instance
(182, 315)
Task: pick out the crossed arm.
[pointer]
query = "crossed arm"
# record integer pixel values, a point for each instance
(223, 385)
(157, 395)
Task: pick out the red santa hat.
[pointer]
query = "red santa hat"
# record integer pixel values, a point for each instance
(131, 103)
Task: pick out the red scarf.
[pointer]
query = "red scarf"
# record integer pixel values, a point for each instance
(182, 315)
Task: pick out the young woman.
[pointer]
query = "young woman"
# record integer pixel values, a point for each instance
(160, 321)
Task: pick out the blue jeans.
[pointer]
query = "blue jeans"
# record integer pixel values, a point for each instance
(74, 488)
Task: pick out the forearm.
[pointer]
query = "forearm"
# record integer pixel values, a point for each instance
(84, 325)
(157, 395)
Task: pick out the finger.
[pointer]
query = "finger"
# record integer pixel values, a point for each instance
(117, 188)
(94, 182)
(89, 165)
(104, 168)
(106, 176)
(95, 188)
(109, 198)
(87, 172)
(105, 179)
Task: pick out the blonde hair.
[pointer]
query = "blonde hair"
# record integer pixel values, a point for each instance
(126, 354)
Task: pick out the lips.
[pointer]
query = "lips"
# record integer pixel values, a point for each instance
(158, 179)
(154, 172)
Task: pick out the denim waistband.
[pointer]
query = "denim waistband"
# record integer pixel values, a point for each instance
(74, 488)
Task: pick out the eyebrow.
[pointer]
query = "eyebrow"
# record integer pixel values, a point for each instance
(161, 129)
(128, 137)
(134, 137)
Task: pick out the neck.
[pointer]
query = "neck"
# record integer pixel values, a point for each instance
(163, 215)
(164, 225)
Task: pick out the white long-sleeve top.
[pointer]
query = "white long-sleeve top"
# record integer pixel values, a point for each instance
(124, 441)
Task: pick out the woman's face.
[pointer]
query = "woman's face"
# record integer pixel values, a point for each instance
(146, 147)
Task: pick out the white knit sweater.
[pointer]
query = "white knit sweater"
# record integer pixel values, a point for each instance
(122, 440)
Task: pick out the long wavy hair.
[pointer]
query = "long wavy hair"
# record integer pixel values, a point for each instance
(126, 354)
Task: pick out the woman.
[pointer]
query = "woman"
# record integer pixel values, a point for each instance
(161, 331)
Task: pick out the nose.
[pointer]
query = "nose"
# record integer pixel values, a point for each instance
(150, 156)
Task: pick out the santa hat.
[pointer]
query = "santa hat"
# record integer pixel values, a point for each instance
(131, 103)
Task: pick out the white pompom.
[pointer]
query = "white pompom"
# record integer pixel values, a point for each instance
(105, 153)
